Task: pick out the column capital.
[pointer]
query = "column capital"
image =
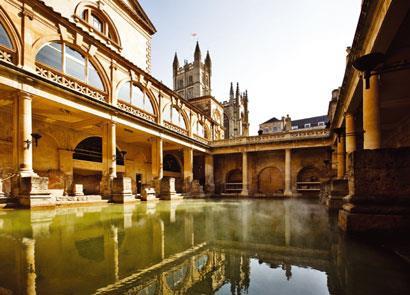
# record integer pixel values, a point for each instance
(25, 95)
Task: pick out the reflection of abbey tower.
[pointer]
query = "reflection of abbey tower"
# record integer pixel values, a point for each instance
(236, 113)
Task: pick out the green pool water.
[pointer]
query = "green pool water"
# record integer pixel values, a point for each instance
(191, 247)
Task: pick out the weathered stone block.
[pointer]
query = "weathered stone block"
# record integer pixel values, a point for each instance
(339, 189)
(168, 191)
(197, 190)
(122, 190)
(1, 189)
(148, 194)
(78, 190)
(33, 192)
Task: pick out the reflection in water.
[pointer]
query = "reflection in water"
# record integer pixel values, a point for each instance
(190, 247)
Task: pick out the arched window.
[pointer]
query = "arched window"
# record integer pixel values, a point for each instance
(174, 116)
(4, 38)
(134, 95)
(90, 149)
(99, 23)
(199, 129)
(71, 62)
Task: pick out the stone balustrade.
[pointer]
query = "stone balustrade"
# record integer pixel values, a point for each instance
(277, 137)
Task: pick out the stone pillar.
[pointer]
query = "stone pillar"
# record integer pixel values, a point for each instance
(24, 131)
(350, 137)
(188, 169)
(109, 156)
(66, 167)
(288, 173)
(341, 160)
(245, 191)
(157, 163)
(209, 174)
(371, 115)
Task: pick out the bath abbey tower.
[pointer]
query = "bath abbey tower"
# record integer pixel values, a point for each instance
(192, 81)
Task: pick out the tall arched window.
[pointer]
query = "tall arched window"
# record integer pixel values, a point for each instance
(174, 116)
(4, 38)
(199, 129)
(69, 61)
(134, 95)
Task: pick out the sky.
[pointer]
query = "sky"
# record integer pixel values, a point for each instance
(288, 54)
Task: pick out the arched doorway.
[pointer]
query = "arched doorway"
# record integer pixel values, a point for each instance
(88, 167)
(233, 181)
(270, 181)
(308, 181)
(173, 168)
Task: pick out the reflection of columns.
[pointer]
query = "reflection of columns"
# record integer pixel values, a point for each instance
(287, 224)
(371, 115)
(288, 173)
(350, 136)
(209, 174)
(29, 266)
(341, 162)
(23, 134)
(157, 162)
(158, 241)
(245, 191)
(189, 229)
(188, 167)
(114, 235)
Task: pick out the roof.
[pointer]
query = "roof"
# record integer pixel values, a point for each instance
(138, 14)
(274, 119)
(312, 120)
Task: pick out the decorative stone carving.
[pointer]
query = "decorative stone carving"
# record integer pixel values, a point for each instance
(168, 191)
(122, 190)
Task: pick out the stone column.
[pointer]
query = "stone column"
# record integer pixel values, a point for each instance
(188, 166)
(24, 131)
(288, 173)
(371, 115)
(157, 163)
(341, 162)
(209, 174)
(245, 191)
(350, 137)
(66, 167)
(109, 158)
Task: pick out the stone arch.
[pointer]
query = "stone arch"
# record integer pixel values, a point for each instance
(308, 174)
(40, 43)
(234, 176)
(270, 181)
(90, 149)
(13, 35)
(177, 278)
(172, 163)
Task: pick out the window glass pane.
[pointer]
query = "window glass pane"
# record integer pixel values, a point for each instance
(96, 23)
(148, 106)
(166, 115)
(178, 119)
(51, 55)
(124, 92)
(94, 78)
(137, 97)
(200, 130)
(4, 38)
(74, 63)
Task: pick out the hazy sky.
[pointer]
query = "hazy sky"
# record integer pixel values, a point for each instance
(288, 54)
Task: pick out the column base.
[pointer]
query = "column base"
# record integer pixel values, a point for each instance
(368, 218)
(168, 191)
(288, 194)
(122, 190)
(33, 192)
(148, 194)
(339, 189)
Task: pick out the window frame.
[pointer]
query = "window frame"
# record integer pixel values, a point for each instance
(87, 63)
(9, 50)
(146, 96)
